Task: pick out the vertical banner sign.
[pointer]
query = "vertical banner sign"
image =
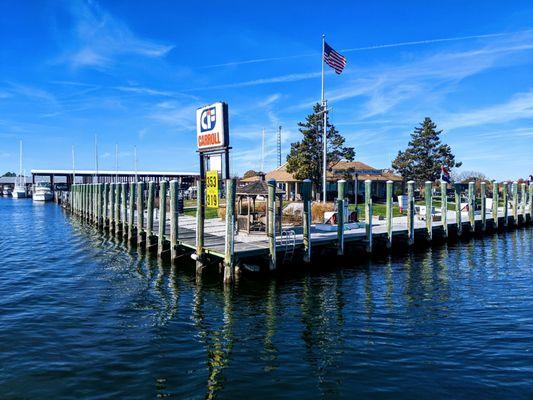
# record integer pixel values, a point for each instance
(211, 186)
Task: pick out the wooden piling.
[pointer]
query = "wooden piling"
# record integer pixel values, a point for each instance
(229, 245)
(531, 202)
(514, 189)
(369, 237)
(174, 219)
(200, 221)
(472, 205)
(458, 219)
(368, 215)
(410, 212)
(150, 216)
(131, 217)
(271, 227)
(389, 213)
(112, 214)
(162, 217)
(105, 206)
(341, 187)
(523, 201)
(444, 207)
(118, 217)
(141, 234)
(124, 209)
(306, 196)
(495, 203)
(429, 215)
(483, 193)
(505, 201)
(100, 204)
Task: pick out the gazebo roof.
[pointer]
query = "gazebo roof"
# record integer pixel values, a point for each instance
(257, 188)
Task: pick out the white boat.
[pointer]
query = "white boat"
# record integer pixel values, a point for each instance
(42, 192)
(19, 191)
(6, 192)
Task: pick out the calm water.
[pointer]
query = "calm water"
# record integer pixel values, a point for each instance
(82, 318)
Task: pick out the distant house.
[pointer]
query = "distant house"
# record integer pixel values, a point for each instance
(353, 171)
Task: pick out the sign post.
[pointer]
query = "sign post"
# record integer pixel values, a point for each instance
(212, 134)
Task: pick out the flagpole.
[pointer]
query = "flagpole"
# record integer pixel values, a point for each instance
(324, 136)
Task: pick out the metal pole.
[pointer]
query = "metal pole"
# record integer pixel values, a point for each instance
(324, 127)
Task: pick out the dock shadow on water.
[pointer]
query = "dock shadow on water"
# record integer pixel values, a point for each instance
(83, 317)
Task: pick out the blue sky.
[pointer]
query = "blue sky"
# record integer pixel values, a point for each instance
(133, 73)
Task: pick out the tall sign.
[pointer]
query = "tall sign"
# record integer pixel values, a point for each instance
(212, 130)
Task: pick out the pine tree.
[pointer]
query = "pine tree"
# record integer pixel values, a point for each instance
(305, 157)
(425, 155)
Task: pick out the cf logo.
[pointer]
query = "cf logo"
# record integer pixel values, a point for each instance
(208, 119)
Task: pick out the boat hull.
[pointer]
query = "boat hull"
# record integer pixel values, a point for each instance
(18, 195)
(42, 197)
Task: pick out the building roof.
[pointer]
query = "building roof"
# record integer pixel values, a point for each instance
(257, 188)
(109, 172)
(363, 171)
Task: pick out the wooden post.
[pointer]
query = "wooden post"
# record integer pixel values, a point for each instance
(472, 205)
(271, 227)
(458, 219)
(141, 234)
(150, 215)
(368, 215)
(505, 201)
(162, 217)
(495, 203)
(131, 216)
(229, 246)
(200, 220)
(369, 238)
(100, 205)
(118, 219)
(95, 203)
(389, 213)
(531, 202)
(174, 219)
(341, 186)
(90, 201)
(515, 202)
(410, 212)
(306, 196)
(444, 207)
(429, 205)
(105, 206)
(523, 202)
(124, 209)
(113, 219)
(483, 193)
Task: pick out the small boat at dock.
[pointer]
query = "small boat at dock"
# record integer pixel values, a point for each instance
(42, 192)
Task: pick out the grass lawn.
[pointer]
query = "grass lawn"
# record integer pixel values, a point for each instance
(210, 213)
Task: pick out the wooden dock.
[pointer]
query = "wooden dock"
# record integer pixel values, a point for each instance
(129, 211)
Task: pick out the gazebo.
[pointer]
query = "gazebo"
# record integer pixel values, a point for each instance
(254, 221)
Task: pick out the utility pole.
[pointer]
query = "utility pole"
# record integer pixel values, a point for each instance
(279, 146)
(263, 152)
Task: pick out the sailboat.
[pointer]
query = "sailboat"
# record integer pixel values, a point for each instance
(19, 191)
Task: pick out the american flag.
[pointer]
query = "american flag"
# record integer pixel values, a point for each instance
(334, 59)
(445, 174)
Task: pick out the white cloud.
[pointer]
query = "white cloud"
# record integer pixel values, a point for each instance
(101, 38)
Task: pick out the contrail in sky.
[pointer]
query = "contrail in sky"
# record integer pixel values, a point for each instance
(366, 48)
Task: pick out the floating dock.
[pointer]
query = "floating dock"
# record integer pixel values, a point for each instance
(129, 211)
